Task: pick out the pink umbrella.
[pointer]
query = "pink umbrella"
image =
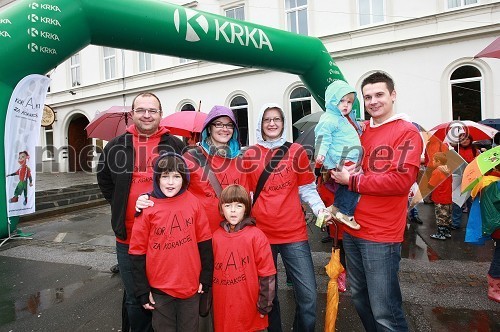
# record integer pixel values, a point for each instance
(491, 51)
(184, 123)
(110, 123)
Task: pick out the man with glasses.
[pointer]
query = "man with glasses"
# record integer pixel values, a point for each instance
(124, 172)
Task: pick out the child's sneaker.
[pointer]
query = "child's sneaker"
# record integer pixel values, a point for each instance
(341, 282)
(349, 221)
(440, 234)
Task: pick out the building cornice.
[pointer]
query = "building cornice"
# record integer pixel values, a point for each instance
(108, 89)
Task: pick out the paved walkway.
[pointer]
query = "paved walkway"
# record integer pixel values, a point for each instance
(47, 181)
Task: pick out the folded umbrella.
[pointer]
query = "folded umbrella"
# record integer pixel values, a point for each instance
(333, 269)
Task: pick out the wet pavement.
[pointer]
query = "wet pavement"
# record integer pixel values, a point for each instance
(60, 280)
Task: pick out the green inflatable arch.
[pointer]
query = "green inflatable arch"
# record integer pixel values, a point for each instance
(36, 36)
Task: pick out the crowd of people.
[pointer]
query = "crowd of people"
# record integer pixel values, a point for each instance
(199, 228)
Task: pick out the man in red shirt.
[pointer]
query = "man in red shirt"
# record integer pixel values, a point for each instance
(392, 148)
(125, 171)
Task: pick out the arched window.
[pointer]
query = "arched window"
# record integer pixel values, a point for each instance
(300, 104)
(187, 107)
(466, 83)
(239, 105)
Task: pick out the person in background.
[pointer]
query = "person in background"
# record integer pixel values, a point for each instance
(278, 211)
(125, 170)
(468, 152)
(244, 277)
(441, 182)
(171, 250)
(392, 149)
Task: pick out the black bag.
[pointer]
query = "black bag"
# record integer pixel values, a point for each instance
(205, 303)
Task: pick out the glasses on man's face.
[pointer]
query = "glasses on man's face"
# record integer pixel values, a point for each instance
(229, 125)
(276, 120)
(142, 111)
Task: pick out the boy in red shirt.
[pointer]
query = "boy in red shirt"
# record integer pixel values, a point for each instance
(171, 249)
(244, 273)
(441, 182)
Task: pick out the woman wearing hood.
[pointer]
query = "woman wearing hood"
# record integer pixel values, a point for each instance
(278, 211)
(220, 150)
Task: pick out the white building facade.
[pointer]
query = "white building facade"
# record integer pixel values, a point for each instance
(426, 46)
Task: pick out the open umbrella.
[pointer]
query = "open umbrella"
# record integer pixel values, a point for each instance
(478, 167)
(184, 123)
(310, 120)
(110, 123)
(491, 51)
(493, 123)
(333, 269)
(451, 130)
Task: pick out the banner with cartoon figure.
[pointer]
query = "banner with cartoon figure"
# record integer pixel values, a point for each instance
(22, 131)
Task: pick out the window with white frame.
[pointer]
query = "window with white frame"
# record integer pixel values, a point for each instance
(236, 13)
(239, 105)
(371, 11)
(49, 150)
(109, 55)
(74, 64)
(460, 3)
(300, 104)
(296, 16)
(466, 85)
(145, 61)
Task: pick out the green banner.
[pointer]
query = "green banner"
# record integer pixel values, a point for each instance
(36, 36)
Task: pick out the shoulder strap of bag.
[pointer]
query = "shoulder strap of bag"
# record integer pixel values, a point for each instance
(273, 163)
(201, 159)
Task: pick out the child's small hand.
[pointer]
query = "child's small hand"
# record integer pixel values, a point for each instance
(362, 124)
(320, 159)
(262, 316)
(143, 202)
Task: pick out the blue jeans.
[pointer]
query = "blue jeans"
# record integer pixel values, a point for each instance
(299, 267)
(456, 213)
(345, 200)
(494, 270)
(372, 273)
(139, 318)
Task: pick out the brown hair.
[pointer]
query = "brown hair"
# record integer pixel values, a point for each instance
(235, 193)
(171, 163)
(146, 94)
(441, 157)
(379, 77)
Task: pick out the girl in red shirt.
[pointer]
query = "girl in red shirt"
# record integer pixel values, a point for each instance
(171, 249)
(244, 272)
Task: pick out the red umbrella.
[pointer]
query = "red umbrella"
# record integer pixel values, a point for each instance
(184, 123)
(453, 129)
(110, 123)
(491, 51)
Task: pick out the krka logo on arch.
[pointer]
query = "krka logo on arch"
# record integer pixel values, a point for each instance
(196, 27)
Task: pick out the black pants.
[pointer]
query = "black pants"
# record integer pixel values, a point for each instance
(173, 314)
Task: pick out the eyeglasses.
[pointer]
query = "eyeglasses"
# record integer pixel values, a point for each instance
(229, 125)
(275, 120)
(142, 111)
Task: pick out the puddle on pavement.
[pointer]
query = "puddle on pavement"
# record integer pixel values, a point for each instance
(414, 247)
(445, 319)
(34, 304)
